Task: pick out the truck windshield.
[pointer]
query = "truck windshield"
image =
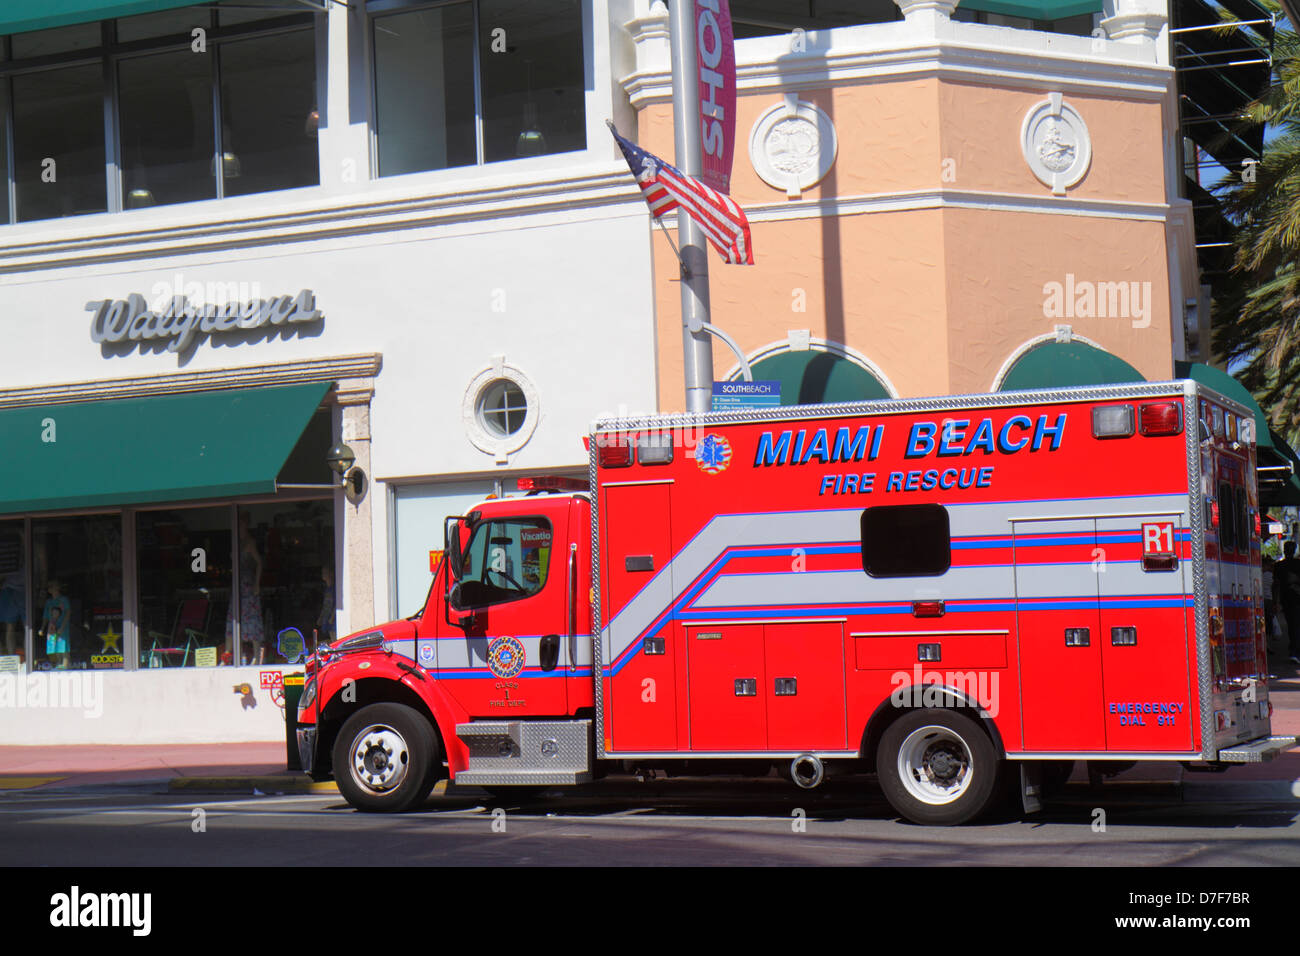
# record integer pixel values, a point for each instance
(505, 560)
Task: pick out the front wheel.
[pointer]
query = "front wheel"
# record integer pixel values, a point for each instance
(937, 767)
(386, 758)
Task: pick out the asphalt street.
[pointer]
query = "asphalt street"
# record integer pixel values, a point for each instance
(688, 825)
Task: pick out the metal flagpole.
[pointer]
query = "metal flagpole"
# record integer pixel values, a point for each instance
(697, 347)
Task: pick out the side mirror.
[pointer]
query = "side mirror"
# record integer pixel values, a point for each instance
(455, 556)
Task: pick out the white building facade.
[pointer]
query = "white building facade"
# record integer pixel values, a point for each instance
(237, 236)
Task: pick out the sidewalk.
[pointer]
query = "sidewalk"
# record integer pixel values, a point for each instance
(243, 768)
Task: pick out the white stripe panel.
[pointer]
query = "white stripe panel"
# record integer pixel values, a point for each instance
(828, 526)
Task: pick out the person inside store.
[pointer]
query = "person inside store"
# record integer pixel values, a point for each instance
(1286, 594)
(56, 623)
(325, 620)
(251, 629)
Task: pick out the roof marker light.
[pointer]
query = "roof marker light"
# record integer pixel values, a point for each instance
(1161, 418)
(654, 448)
(614, 452)
(1112, 421)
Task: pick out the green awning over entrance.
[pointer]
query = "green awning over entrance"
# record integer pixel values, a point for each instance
(1034, 9)
(1229, 387)
(19, 16)
(142, 450)
(1062, 364)
(813, 377)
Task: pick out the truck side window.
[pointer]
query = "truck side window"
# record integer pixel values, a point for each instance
(504, 561)
(905, 541)
(1243, 523)
(1227, 519)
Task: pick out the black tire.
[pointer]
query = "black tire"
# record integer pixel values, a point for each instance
(938, 767)
(386, 759)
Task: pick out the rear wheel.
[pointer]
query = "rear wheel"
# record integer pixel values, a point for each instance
(938, 767)
(386, 758)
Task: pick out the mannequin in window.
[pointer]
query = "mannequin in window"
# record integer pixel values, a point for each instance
(56, 624)
(251, 630)
(12, 601)
(325, 620)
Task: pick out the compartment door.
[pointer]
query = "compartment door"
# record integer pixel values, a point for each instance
(804, 664)
(1144, 666)
(1058, 626)
(640, 651)
(728, 695)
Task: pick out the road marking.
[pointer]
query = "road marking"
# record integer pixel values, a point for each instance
(26, 783)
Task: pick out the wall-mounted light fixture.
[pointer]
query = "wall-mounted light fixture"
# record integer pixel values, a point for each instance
(340, 459)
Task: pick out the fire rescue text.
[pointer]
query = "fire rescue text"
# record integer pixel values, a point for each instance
(950, 438)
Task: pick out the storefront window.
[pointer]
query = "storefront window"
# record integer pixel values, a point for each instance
(166, 162)
(13, 596)
(529, 87)
(285, 572)
(58, 132)
(531, 56)
(424, 89)
(268, 95)
(69, 132)
(77, 606)
(184, 576)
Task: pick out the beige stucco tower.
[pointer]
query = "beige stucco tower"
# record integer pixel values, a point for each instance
(930, 198)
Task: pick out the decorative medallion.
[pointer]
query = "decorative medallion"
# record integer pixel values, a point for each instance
(713, 454)
(505, 656)
(1056, 144)
(792, 146)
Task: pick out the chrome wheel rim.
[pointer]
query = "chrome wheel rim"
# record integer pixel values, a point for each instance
(935, 765)
(380, 759)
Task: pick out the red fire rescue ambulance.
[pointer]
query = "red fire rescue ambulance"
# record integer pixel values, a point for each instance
(959, 594)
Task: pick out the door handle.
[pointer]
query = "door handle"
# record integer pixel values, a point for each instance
(549, 652)
(1076, 637)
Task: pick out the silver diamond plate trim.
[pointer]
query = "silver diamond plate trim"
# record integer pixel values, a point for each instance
(888, 407)
(597, 663)
(489, 728)
(1200, 590)
(517, 746)
(522, 778)
(1257, 751)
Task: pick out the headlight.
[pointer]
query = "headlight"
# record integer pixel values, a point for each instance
(308, 697)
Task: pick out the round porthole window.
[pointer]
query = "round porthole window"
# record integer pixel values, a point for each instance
(502, 408)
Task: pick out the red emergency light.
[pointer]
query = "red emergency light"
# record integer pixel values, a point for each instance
(1160, 418)
(552, 483)
(616, 454)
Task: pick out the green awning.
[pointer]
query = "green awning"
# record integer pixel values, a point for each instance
(19, 16)
(1062, 364)
(1278, 487)
(1229, 387)
(813, 377)
(1034, 9)
(140, 450)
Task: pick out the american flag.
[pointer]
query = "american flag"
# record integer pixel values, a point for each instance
(667, 188)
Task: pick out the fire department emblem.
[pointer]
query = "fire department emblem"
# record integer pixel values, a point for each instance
(505, 657)
(713, 454)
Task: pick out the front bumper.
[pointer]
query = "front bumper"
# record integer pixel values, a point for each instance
(1254, 751)
(307, 747)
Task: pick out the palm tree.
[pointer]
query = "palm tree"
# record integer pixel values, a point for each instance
(1258, 320)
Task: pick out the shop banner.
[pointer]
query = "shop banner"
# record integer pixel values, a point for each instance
(715, 50)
